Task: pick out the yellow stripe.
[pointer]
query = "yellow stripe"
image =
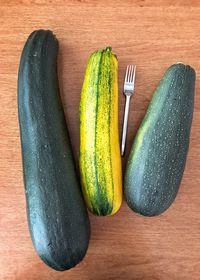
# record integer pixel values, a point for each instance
(87, 130)
(114, 136)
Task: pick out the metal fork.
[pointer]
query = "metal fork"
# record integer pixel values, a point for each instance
(129, 86)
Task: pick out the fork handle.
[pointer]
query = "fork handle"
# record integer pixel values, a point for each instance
(125, 125)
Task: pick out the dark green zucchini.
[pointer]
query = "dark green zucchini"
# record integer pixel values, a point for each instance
(57, 216)
(157, 159)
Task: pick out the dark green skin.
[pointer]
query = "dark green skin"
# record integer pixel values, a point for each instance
(158, 156)
(57, 216)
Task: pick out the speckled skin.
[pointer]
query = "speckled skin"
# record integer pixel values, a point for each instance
(100, 161)
(57, 216)
(157, 159)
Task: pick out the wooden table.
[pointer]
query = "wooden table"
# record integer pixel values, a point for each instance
(153, 36)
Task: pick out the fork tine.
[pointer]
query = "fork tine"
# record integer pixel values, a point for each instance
(129, 75)
(134, 73)
(126, 75)
(133, 76)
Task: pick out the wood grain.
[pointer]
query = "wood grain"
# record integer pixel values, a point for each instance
(151, 34)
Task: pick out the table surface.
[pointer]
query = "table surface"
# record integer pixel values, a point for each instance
(152, 35)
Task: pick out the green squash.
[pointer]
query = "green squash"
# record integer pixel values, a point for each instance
(158, 156)
(57, 215)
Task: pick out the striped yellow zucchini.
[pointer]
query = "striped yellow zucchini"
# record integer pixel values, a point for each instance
(100, 161)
